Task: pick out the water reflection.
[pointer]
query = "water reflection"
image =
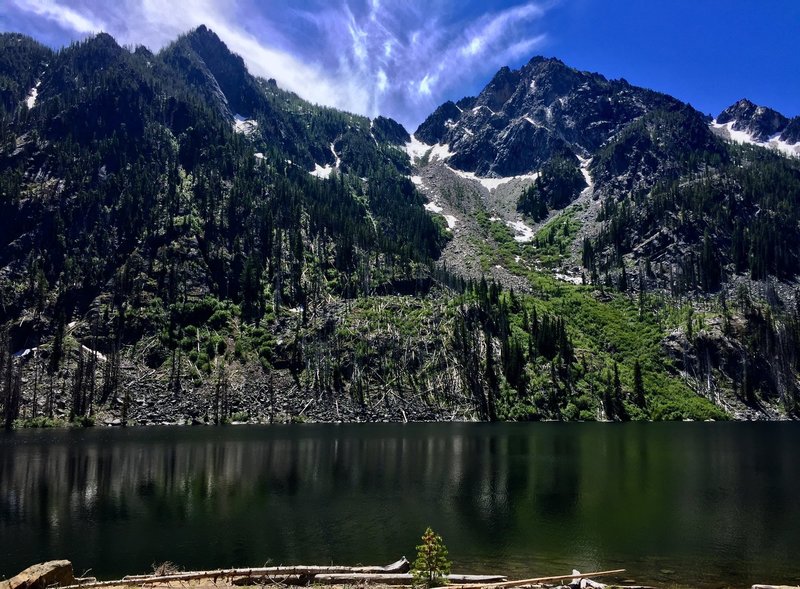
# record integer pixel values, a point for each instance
(712, 502)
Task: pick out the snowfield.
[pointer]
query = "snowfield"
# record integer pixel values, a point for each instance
(774, 142)
(492, 183)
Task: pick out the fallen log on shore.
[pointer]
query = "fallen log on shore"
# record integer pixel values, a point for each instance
(399, 578)
(400, 566)
(335, 575)
(536, 580)
(579, 582)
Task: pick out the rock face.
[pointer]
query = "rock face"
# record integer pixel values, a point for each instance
(39, 576)
(525, 117)
(791, 134)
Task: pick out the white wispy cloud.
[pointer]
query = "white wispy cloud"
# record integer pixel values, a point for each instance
(62, 15)
(398, 58)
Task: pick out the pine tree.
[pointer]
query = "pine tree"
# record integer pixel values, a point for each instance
(431, 565)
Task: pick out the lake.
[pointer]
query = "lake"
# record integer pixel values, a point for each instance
(694, 504)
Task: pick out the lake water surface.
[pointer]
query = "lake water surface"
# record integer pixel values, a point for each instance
(711, 504)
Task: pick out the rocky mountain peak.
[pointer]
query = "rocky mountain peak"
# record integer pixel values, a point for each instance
(525, 117)
(759, 121)
(215, 70)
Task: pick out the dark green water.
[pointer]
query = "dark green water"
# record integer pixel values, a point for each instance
(718, 504)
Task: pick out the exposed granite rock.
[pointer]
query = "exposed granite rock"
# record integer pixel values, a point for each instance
(434, 129)
(791, 134)
(39, 576)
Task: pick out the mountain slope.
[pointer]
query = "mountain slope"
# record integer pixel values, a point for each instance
(133, 210)
(667, 208)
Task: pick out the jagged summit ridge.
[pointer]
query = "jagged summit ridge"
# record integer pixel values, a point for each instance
(747, 122)
(524, 118)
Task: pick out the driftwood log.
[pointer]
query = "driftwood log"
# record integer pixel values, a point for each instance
(578, 582)
(337, 575)
(535, 580)
(400, 566)
(399, 579)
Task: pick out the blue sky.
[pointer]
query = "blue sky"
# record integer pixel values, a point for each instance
(402, 58)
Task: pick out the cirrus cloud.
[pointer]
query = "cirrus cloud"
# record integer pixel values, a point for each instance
(399, 59)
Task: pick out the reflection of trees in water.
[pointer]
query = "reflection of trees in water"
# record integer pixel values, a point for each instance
(364, 493)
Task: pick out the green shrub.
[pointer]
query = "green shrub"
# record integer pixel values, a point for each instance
(39, 422)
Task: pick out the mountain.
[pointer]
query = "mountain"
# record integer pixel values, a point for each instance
(621, 187)
(525, 117)
(746, 122)
(138, 202)
(185, 242)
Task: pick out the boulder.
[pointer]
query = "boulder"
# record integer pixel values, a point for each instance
(40, 576)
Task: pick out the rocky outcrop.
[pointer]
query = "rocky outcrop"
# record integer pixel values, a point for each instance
(434, 128)
(39, 576)
(791, 134)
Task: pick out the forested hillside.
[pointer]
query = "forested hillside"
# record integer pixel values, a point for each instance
(184, 242)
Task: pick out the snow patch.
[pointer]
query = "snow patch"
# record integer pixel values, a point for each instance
(524, 233)
(259, 155)
(569, 278)
(322, 171)
(90, 351)
(585, 163)
(774, 142)
(416, 148)
(336, 157)
(417, 180)
(492, 183)
(451, 222)
(479, 107)
(433, 207)
(244, 125)
(532, 122)
(441, 152)
(450, 123)
(32, 95)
